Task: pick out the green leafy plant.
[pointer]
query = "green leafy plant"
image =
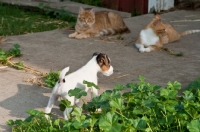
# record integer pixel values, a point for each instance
(60, 14)
(6, 56)
(146, 107)
(51, 78)
(16, 20)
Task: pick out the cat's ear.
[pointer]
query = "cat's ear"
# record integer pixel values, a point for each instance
(81, 9)
(92, 11)
(157, 16)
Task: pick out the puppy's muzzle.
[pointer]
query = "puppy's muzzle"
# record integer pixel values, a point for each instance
(108, 72)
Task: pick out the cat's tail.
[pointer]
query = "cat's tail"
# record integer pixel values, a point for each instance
(189, 32)
(112, 31)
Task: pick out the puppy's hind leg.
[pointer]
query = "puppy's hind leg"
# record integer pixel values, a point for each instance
(94, 92)
(67, 111)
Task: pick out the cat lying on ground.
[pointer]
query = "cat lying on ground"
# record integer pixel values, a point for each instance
(95, 24)
(156, 34)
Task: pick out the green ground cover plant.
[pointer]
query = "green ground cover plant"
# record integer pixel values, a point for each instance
(6, 56)
(146, 107)
(15, 20)
(51, 78)
(48, 79)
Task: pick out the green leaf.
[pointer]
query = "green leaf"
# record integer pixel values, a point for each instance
(90, 84)
(106, 95)
(57, 122)
(77, 111)
(174, 86)
(139, 124)
(77, 92)
(109, 123)
(10, 122)
(51, 78)
(77, 124)
(63, 104)
(34, 112)
(92, 121)
(194, 126)
(117, 104)
(17, 46)
(141, 78)
(119, 87)
(168, 94)
(188, 96)
(194, 85)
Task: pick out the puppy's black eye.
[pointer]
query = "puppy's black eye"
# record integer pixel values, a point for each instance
(64, 80)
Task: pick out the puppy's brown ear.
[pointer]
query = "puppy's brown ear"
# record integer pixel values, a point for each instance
(102, 59)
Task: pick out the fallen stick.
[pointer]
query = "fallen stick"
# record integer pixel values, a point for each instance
(125, 75)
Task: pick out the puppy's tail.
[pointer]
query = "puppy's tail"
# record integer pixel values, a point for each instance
(62, 75)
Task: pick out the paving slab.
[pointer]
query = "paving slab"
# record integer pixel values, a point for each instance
(53, 50)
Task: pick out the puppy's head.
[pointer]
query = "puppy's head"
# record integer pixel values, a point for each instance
(104, 63)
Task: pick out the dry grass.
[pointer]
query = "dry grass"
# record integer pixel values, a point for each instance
(2, 39)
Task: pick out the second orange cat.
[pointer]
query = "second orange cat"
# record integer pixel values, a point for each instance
(157, 33)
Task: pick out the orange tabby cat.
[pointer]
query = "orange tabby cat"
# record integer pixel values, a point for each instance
(157, 33)
(95, 24)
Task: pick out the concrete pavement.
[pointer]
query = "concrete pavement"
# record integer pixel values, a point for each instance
(54, 50)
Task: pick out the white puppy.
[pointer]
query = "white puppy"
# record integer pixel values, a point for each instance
(99, 63)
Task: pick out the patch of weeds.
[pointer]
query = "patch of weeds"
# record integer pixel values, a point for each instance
(48, 79)
(135, 12)
(6, 56)
(172, 53)
(60, 14)
(145, 108)
(120, 37)
(15, 20)
(19, 65)
(51, 78)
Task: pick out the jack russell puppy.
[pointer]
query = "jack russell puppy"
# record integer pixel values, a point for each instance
(100, 62)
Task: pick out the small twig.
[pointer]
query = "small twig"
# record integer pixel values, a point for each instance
(25, 68)
(172, 53)
(125, 75)
(36, 80)
(2, 67)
